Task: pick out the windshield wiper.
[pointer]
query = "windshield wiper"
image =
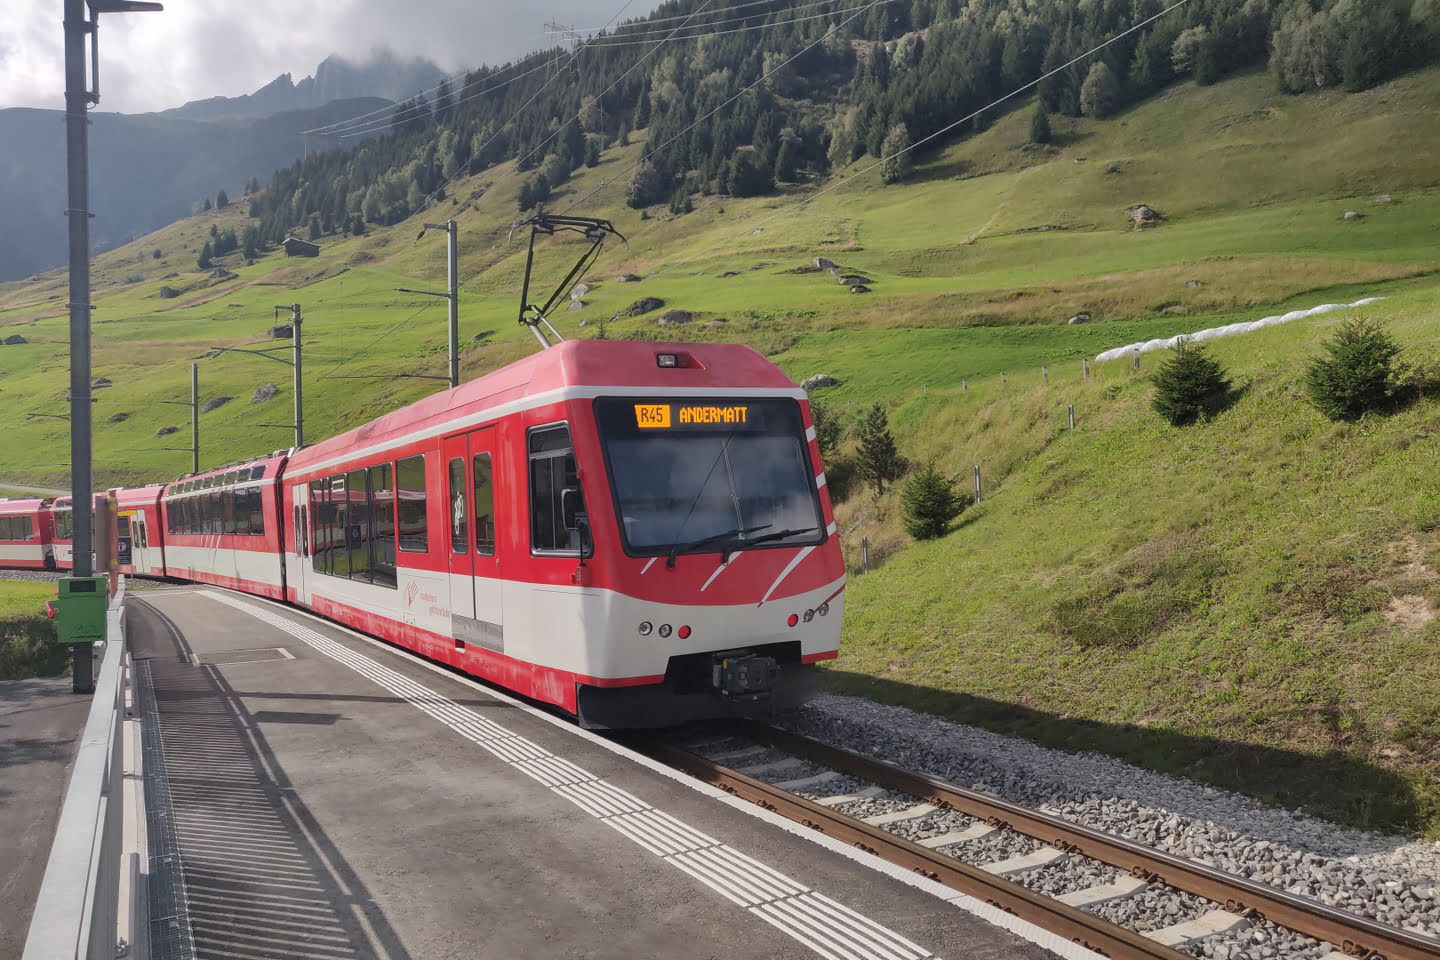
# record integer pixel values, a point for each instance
(772, 537)
(706, 541)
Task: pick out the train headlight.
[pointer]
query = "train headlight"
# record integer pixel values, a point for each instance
(823, 609)
(645, 627)
(809, 615)
(664, 629)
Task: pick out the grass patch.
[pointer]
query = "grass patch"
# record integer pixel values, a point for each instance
(27, 639)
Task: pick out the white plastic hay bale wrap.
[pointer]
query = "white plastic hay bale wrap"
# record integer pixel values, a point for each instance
(1214, 333)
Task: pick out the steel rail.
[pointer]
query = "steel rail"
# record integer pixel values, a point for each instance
(1080, 927)
(1357, 936)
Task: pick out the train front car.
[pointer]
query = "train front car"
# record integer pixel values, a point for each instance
(635, 533)
(721, 580)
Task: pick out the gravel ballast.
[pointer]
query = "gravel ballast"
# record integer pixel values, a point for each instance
(1385, 877)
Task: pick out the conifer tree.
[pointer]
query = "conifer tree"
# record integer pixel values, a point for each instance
(1189, 385)
(1040, 126)
(931, 500)
(879, 459)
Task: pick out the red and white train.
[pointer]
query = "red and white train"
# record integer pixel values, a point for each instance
(639, 534)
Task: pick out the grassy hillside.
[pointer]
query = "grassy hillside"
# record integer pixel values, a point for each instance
(1245, 601)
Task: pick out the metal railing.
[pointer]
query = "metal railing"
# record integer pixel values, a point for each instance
(77, 914)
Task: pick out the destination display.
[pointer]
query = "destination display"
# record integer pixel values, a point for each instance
(693, 416)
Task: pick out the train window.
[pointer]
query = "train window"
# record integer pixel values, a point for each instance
(227, 511)
(324, 523)
(456, 498)
(410, 494)
(382, 526)
(357, 531)
(257, 473)
(555, 497)
(484, 505)
(304, 531)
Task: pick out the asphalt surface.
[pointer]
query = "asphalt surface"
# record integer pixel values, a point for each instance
(40, 725)
(345, 804)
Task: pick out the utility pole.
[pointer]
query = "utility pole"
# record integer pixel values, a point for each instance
(194, 405)
(78, 98)
(452, 292)
(297, 386)
(194, 418)
(299, 380)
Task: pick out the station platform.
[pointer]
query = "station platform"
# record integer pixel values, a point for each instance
(314, 793)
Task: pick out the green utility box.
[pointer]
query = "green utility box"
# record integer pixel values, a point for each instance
(81, 609)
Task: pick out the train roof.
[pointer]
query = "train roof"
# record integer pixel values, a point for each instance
(22, 505)
(265, 461)
(625, 365)
(131, 495)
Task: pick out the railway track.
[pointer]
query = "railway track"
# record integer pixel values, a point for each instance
(1236, 903)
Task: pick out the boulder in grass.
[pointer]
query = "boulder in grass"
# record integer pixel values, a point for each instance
(483, 335)
(628, 278)
(819, 382)
(1352, 216)
(1384, 198)
(674, 318)
(1142, 215)
(1079, 318)
(215, 403)
(579, 290)
(823, 264)
(859, 288)
(855, 280)
(264, 393)
(576, 304)
(101, 383)
(14, 340)
(1193, 284)
(166, 431)
(644, 305)
(281, 331)
(168, 293)
(118, 418)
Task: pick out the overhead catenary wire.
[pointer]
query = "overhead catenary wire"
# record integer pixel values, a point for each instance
(399, 112)
(626, 33)
(412, 317)
(463, 168)
(556, 132)
(854, 13)
(672, 19)
(926, 139)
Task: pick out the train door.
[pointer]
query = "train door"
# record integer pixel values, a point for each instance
(457, 548)
(300, 530)
(475, 587)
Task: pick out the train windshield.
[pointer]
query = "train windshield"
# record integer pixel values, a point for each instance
(706, 475)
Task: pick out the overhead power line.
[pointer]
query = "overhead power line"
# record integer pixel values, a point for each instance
(854, 13)
(926, 139)
(556, 132)
(625, 36)
(655, 20)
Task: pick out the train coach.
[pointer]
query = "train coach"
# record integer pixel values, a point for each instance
(26, 535)
(222, 526)
(139, 531)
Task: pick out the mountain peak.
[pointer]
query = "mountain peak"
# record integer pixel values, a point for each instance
(382, 74)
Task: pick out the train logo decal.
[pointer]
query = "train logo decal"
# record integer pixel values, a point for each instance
(410, 591)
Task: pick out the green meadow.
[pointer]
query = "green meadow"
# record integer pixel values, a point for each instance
(1249, 602)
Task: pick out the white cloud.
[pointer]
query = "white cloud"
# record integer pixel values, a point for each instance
(206, 48)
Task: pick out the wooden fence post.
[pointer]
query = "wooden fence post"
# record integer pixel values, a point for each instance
(978, 489)
(1072, 416)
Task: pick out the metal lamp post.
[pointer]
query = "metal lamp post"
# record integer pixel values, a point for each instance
(79, 628)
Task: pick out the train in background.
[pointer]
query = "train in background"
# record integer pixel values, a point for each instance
(638, 534)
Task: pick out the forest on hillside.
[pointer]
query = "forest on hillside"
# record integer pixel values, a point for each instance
(796, 90)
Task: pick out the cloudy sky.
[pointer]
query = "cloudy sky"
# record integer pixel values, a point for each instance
(206, 48)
